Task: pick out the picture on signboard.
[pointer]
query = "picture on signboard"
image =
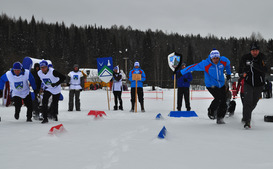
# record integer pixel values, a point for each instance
(174, 60)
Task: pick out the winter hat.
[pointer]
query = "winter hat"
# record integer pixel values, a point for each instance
(17, 66)
(36, 65)
(76, 65)
(116, 68)
(43, 63)
(50, 65)
(136, 64)
(214, 53)
(254, 46)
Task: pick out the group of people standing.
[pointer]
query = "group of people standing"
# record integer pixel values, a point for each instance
(252, 69)
(45, 79)
(117, 87)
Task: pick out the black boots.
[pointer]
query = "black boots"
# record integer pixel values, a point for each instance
(115, 108)
(142, 107)
(45, 121)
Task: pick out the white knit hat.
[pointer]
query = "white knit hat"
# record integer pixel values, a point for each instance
(136, 64)
(214, 53)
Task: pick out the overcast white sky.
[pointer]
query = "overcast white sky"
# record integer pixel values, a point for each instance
(224, 18)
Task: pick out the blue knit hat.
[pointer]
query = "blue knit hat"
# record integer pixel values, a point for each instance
(43, 63)
(17, 66)
(214, 53)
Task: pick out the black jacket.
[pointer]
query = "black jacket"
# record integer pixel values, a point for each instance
(34, 72)
(255, 69)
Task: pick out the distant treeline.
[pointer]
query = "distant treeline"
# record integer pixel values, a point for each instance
(65, 46)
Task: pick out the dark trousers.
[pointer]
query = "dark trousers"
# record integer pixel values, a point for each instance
(242, 97)
(219, 101)
(183, 91)
(18, 104)
(54, 104)
(139, 95)
(35, 106)
(75, 93)
(117, 96)
(251, 98)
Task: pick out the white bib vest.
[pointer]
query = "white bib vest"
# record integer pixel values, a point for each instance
(75, 80)
(48, 79)
(19, 84)
(117, 85)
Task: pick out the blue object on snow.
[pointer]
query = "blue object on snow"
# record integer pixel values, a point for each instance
(162, 133)
(183, 114)
(158, 116)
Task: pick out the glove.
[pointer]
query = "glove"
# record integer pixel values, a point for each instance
(228, 77)
(80, 90)
(185, 80)
(250, 63)
(54, 84)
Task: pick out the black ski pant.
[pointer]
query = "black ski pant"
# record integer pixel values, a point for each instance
(139, 95)
(251, 98)
(54, 104)
(219, 101)
(35, 106)
(75, 93)
(242, 97)
(117, 97)
(28, 103)
(183, 91)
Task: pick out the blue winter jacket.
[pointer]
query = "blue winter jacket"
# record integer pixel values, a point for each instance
(139, 82)
(180, 79)
(4, 79)
(214, 74)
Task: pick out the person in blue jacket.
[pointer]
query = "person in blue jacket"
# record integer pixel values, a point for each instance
(213, 68)
(137, 70)
(18, 79)
(183, 84)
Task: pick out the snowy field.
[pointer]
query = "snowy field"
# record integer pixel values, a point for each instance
(125, 140)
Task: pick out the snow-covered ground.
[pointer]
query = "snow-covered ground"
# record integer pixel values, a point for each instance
(125, 140)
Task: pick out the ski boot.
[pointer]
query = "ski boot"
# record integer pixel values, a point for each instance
(247, 125)
(133, 107)
(115, 108)
(220, 121)
(211, 114)
(142, 107)
(45, 120)
(16, 115)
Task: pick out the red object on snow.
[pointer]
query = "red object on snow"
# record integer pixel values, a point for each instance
(59, 128)
(96, 113)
